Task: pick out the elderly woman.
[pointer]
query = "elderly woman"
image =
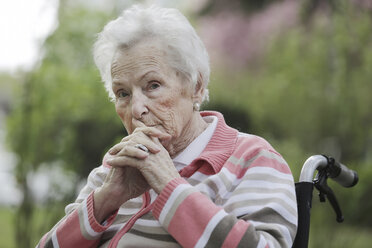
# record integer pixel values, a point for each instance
(181, 178)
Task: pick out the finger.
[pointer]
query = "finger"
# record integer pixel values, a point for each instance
(116, 148)
(120, 148)
(149, 131)
(153, 132)
(123, 161)
(132, 151)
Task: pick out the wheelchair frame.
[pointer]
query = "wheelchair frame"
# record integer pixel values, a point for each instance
(327, 167)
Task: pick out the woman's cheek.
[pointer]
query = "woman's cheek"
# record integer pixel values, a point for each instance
(125, 117)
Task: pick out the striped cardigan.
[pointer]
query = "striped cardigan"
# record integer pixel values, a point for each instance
(238, 193)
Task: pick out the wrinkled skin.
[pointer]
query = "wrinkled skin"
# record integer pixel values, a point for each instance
(155, 105)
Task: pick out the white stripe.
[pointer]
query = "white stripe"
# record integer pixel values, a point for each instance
(244, 135)
(262, 153)
(210, 227)
(137, 199)
(82, 196)
(97, 178)
(226, 194)
(169, 204)
(115, 227)
(266, 185)
(87, 226)
(143, 222)
(231, 177)
(90, 186)
(153, 195)
(198, 176)
(256, 170)
(95, 174)
(70, 207)
(270, 243)
(272, 155)
(222, 190)
(270, 171)
(128, 211)
(262, 242)
(54, 239)
(259, 196)
(205, 189)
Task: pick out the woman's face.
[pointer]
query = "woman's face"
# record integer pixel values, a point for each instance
(149, 90)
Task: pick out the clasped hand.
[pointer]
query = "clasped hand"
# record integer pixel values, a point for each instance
(141, 169)
(133, 170)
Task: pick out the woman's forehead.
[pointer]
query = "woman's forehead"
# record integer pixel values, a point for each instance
(138, 62)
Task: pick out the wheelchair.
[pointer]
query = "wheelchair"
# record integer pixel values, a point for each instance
(327, 167)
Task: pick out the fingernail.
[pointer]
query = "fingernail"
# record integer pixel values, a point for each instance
(157, 149)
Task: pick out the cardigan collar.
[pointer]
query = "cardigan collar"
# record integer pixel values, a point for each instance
(219, 148)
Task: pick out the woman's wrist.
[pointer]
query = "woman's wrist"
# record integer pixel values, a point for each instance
(105, 204)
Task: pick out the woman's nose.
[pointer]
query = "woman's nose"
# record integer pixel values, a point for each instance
(139, 107)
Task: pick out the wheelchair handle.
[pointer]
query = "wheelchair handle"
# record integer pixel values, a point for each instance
(337, 171)
(343, 175)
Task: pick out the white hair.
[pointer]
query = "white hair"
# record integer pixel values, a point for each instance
(186, 52)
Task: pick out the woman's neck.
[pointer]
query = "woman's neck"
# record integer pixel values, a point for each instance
(195, 127)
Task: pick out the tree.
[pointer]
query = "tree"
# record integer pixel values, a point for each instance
(62, 113)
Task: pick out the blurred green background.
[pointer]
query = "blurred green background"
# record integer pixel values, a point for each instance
(298, 73)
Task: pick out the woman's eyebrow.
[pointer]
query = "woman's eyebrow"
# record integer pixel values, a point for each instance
(117, 83)
(146, 74)
(120, 82)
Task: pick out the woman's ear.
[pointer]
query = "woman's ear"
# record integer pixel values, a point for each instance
(198, 90)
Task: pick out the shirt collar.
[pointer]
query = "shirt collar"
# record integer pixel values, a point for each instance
(195, 148)
(219, 148)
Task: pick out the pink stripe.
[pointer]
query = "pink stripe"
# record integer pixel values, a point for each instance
(207, 170)
(251, 145)
(272, 163)
(69, 234)
(235, 234)
(186, 221)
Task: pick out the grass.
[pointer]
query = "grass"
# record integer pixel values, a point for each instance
(7, 227)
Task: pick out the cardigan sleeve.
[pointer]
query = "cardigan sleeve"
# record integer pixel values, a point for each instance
(253, 204)
(79, 228)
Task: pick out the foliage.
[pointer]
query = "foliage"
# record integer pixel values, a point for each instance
(67, 103)
(61, 113)
(312, 86)
(311, 95)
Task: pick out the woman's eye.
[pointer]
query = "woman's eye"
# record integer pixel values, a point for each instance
(122, 94)
(154, 85)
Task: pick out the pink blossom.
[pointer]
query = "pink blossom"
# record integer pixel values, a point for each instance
(236, 39)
